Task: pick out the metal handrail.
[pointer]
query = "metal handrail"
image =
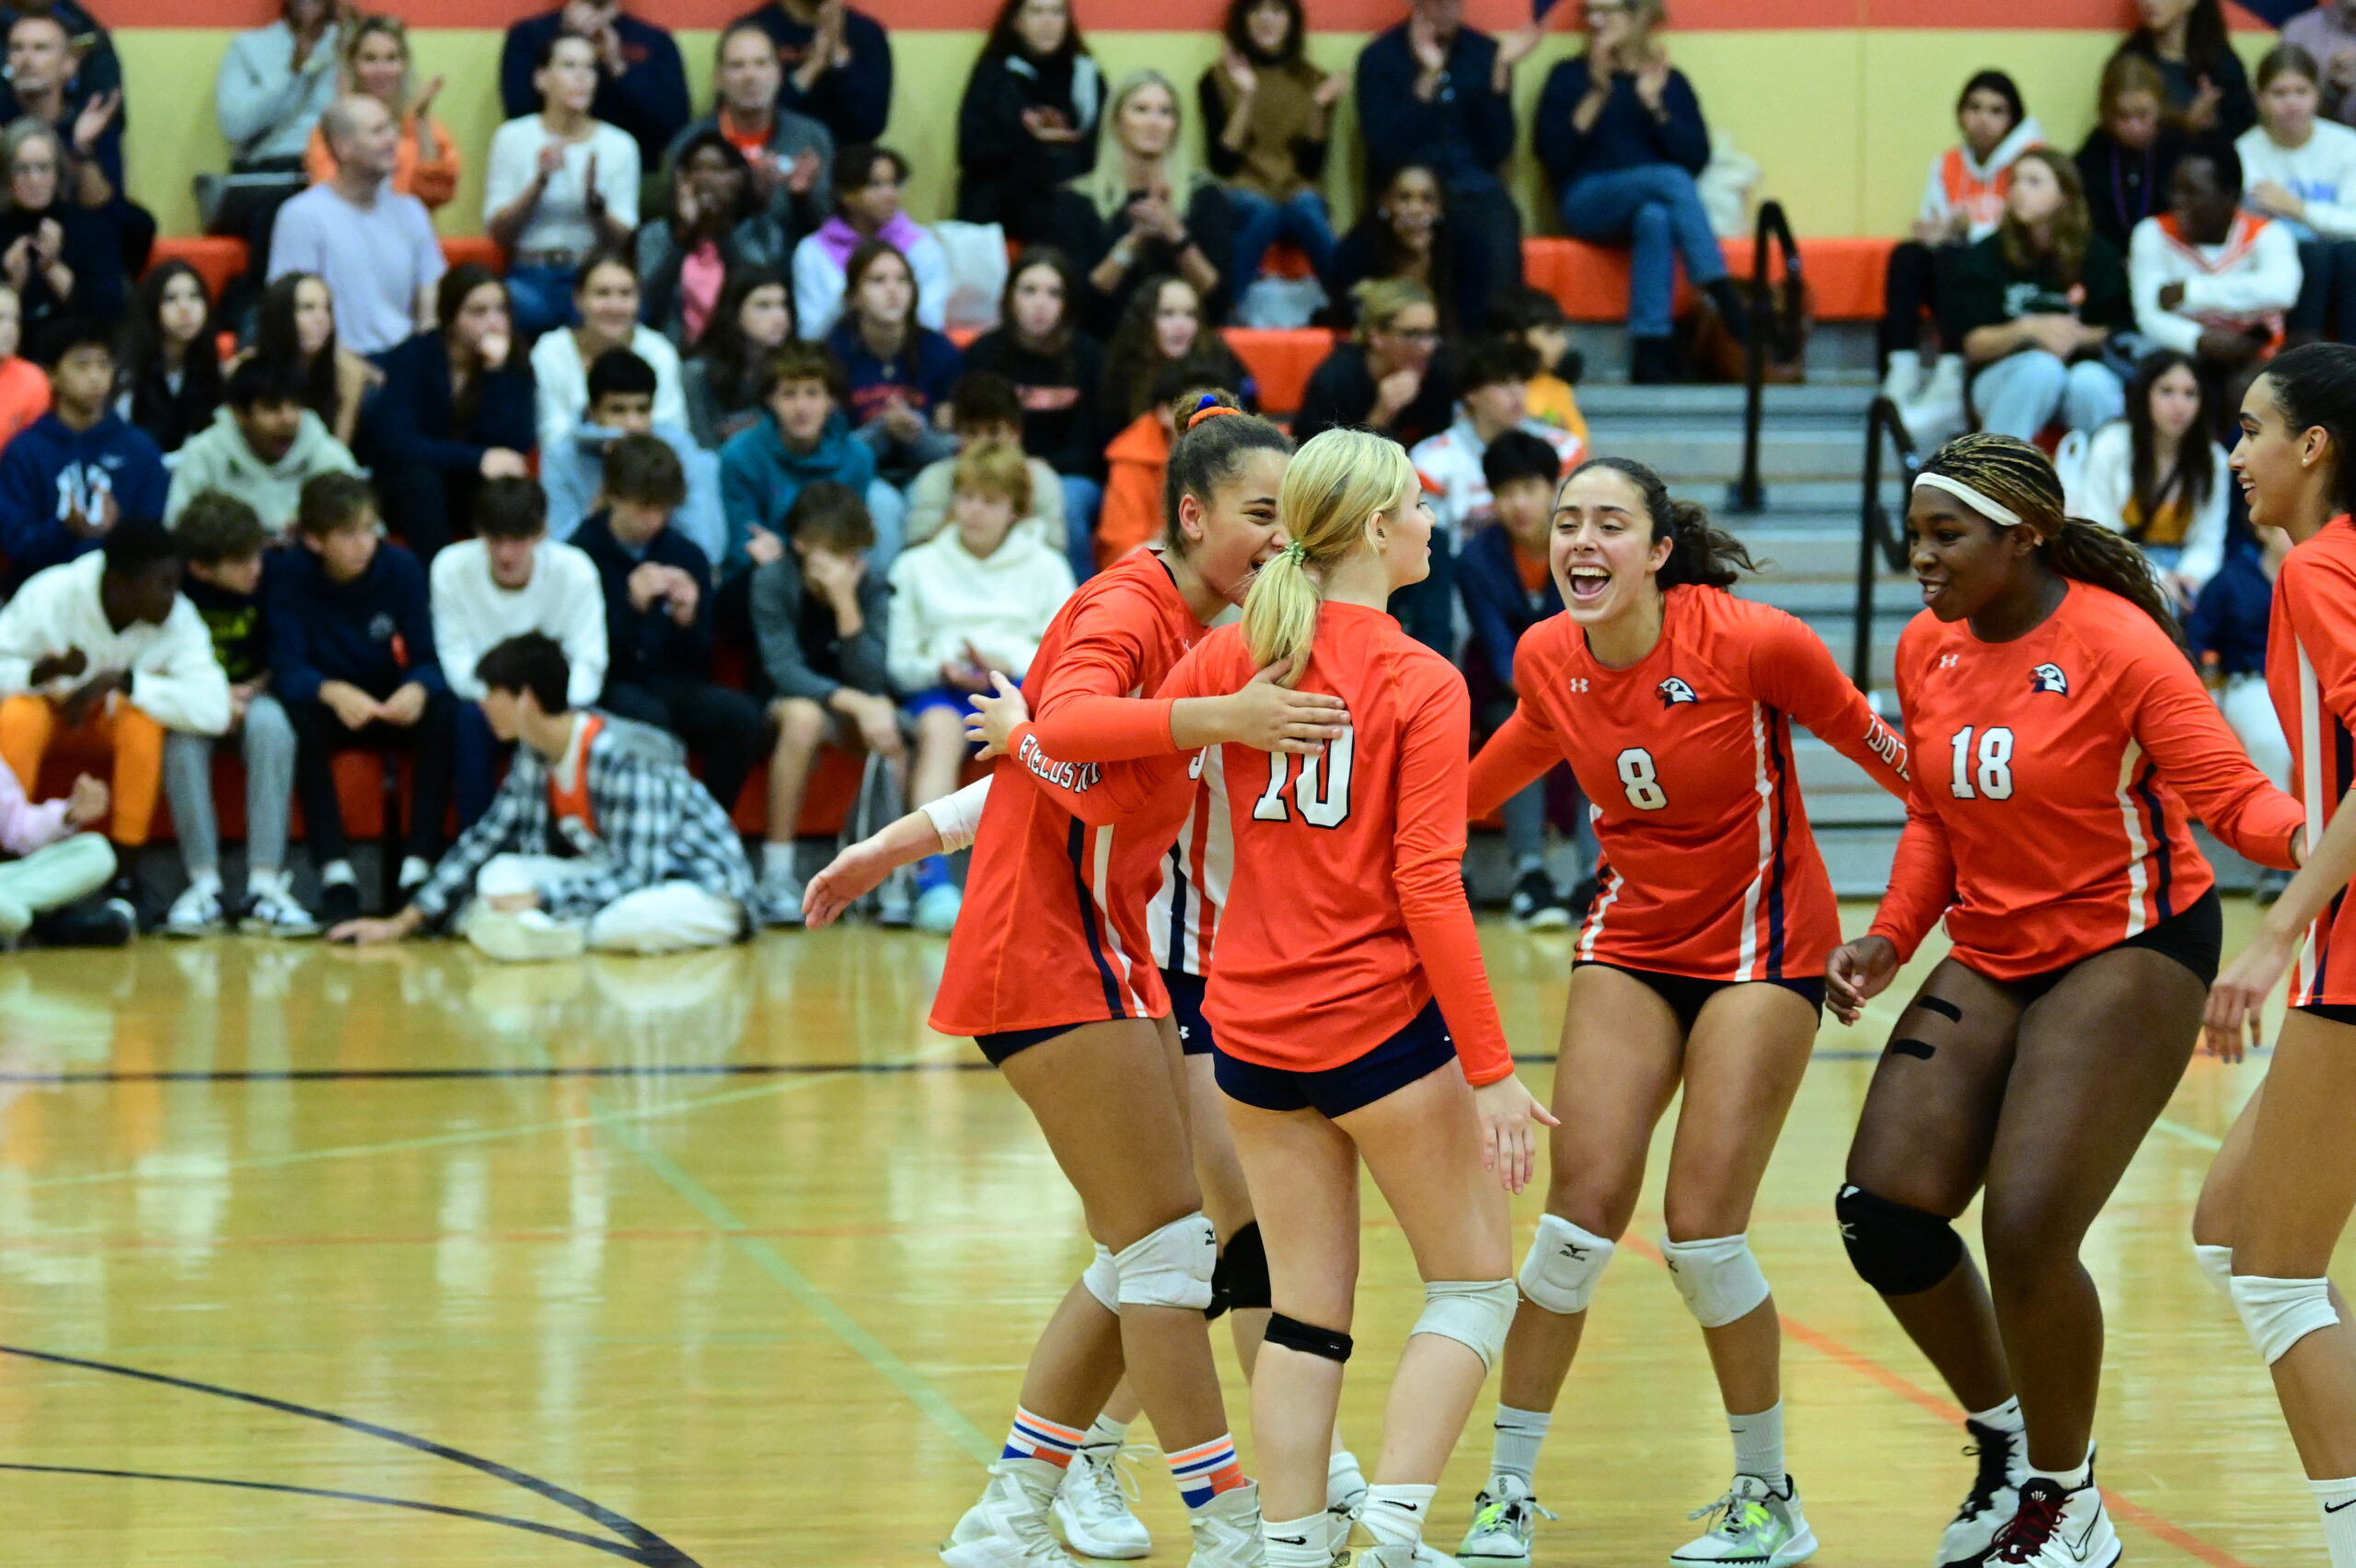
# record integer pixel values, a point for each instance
(1750, 493)
(1879, 541)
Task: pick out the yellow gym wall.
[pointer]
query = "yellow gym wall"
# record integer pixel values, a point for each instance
(1842, 121)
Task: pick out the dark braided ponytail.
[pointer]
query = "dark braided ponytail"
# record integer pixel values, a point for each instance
(2016, 476)
(1703, 554)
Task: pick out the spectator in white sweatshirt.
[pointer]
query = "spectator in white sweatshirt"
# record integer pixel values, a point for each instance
(2301, 169)
(971, 602)
(2158, 475)
(511, 578)
(2210, 280)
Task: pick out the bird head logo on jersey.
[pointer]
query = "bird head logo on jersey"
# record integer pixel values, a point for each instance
(2048, 677)
(1674, 691)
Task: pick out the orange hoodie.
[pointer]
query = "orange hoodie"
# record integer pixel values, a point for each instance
(1135, 463)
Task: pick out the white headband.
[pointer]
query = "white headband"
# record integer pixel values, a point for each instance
(2003, 516)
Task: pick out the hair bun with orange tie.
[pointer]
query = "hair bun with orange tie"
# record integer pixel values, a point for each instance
(1208, 409)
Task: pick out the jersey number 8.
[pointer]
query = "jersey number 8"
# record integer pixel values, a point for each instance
(1995, 771)
(1322, 792)
(1643, 784)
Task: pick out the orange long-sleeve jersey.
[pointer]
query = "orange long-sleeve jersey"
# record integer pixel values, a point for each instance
(1709, 867)
(2310, 673)
(2048, 820)
(1054, 929)
(1347, 913)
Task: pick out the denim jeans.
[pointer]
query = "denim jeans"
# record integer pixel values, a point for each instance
(1655, 211)
(2326, 303)
(539, 298)
(1259, 222)
(1083, 499)
(2019, 396)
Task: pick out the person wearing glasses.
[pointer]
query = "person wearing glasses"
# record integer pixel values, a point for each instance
(1388, 376)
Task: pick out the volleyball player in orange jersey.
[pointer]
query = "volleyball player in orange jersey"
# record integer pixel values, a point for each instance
(1702, 961)
(2280, 1193)
(2058, 733)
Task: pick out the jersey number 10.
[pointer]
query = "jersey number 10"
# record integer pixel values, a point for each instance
(1322, 792)
(1995, 771)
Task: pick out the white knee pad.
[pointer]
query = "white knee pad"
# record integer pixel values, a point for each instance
(2217, 1263)
(1719, 1277)
(1563, 1265)
(1172, 1267)
(2278, 1313)
(1475, 1313)
(1103, 1279)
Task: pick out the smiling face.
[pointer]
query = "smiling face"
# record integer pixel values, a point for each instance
(1962, 561)
(2288, 108)
(1411, 205)
(747, 74)
(1602, 553)
(1985, 119)
(1610, 24)
(1038, 302)
(2284, 473)
(380, 69)
(1234, 531)
(569, 81)
(1147, 122)
(607, 300)
(1177, 320)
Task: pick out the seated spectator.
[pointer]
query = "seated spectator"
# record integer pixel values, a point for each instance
(373, 246)
(2210, 280)
(63, 259)
(802, 439)
(792, 155)
(868, 181)
(352, 660)
(2129, 156)
(103, 657)
(1444, 97)
(2032, 307)
(1266, 115)
(985, 409)
(221, 544)
(2327, 32)
(600, 838)
(1163, 326)
(1144, 210)
(53, 868)
(96, 67)
(837, 65)
(605, 298)
(2158, 477)
(1137, 461)
(170, 373)
(73, 473)
(1384, 376)
(717, 224)
(972, 601)
(456, 410)
(642, 83)
(1621, 135)
(1056, 370)
(2208, 91)
(46, 81)
(263, 448)
(2302, 172)
(1027, 124)
(510, 579)
(1962, 202)
(622, 402)
(296, 326)
(1408, 237)
(721, 379)
(1536, 318)
(820, 611)
(2228, 632)
(426, 164)
(660, 625)
(561, 187)
(1508, 588)
(275, 83)
(896, 374)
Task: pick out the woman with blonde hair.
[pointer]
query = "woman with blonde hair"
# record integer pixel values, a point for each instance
(1145, 210)
(377, 63)
(1388, 376)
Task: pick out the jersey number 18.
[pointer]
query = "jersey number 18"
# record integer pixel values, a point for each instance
(1322, 792)
(1994, 773)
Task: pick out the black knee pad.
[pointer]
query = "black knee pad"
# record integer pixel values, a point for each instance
(1895, 1249)
(1242, 1278)
(1309, 1340)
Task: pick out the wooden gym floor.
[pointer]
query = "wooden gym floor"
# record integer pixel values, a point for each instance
(402, 1257)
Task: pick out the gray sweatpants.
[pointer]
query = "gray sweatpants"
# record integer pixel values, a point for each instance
(268, 742)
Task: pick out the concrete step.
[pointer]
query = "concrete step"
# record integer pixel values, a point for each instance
(1690, 457)
(1618, 403)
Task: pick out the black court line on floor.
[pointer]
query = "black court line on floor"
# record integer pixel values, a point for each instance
(637, 1070)
(638, 1544)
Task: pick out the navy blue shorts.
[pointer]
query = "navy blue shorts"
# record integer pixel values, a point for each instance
(2330, 1012)
(1420, 1049)
(1006, 1042)
(1186, 1009)
(1686, 995)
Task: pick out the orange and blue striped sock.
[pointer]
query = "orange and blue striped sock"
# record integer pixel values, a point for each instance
(1207, 1469)
(1037, 1437)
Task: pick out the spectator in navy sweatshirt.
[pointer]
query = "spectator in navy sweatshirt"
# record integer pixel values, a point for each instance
(899, 374)
(80, 469)
(351, 662)
(661, 625)
(641, 84)
(1433, 91)
(837, 65)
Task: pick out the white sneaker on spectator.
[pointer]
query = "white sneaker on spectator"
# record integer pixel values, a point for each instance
(273, 911)
(1904, 376)
(1937, 414)
(523, 936)
(414, 874)
(196, 912)
(781, 899)
(896, 900)
(937, 908)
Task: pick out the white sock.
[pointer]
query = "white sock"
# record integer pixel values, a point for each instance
(1345, 1482)
(1759, 1443)
(1296, 1543)
(338, 871)
(1104, 1430)
(776, 859)
(265, 878)
(1395, 1513)
(2338, 1500)
(2073, 1479)
(1520, 1433)
(209, 881)
(2005, 1417)
(414, 870)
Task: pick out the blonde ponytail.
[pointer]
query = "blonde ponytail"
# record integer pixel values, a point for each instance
(1334, 486)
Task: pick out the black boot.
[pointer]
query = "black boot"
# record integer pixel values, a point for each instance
(1733, 309)
(1652, 362)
